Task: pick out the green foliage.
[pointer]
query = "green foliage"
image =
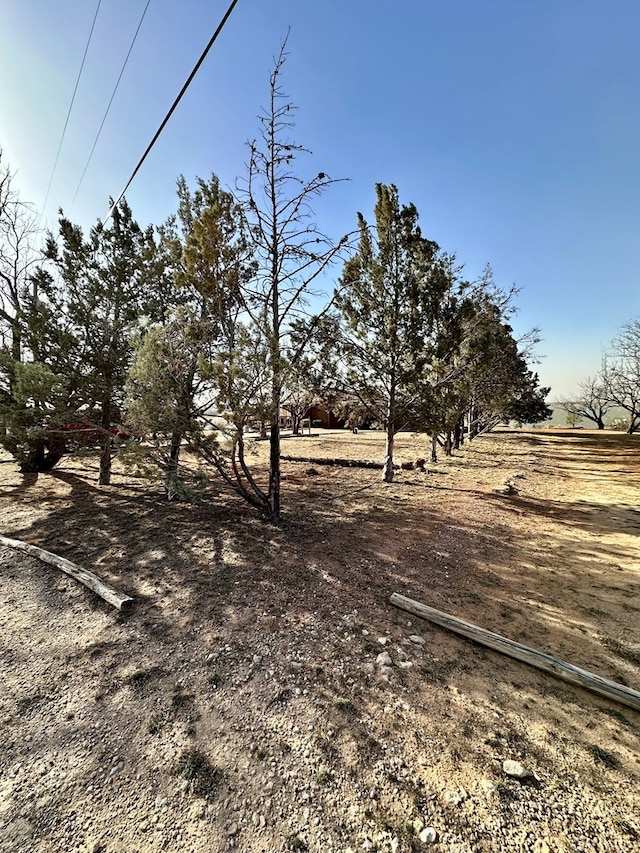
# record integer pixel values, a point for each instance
(241, 270)
(76, 328)
(389, 298)
(30, 415)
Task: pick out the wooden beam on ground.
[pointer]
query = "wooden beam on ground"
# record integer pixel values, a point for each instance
(566, 671)
(345, 463)
(93, 582)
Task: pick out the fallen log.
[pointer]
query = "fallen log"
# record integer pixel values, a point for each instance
(93, 582)
(345, 463)
(566, 671)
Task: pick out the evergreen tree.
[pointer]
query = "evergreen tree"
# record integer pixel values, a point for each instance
(389, 296)
(175, 377)
(81, 321)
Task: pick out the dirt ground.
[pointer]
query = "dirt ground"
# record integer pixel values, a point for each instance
(247, 701)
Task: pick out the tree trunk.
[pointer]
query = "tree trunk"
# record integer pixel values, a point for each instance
(387, 467)
(174, 456)
(434, 447)
(448, 444)
(174, 453)
(474, 417)
(273, 514)
(104, 478)
(458, 435)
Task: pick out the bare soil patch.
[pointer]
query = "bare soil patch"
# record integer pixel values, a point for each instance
(241, 705)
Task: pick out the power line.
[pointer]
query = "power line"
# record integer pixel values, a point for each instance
(173, 106)
(73, 97)
(106, 112)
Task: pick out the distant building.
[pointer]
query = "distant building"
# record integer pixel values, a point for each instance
(326, 417)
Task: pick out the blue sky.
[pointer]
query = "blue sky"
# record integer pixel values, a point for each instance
(513, 125)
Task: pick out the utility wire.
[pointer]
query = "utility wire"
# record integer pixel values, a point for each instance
(73, 97)
(173, 106)
(106, 112)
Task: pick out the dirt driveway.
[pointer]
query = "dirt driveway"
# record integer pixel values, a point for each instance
(263, 695)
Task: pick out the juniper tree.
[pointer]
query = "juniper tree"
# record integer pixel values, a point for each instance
(175, 376)
(389, 297)
(101, 287)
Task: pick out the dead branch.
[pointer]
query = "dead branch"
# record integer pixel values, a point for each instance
(93, 582)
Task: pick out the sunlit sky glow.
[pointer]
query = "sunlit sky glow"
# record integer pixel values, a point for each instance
(513, 126)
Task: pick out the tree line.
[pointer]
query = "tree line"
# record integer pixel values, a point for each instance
(218, 309)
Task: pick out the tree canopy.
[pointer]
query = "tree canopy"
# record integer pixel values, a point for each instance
(211, 325)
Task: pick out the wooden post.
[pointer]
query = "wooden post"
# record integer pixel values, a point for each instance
(566, 671)
(93, 582)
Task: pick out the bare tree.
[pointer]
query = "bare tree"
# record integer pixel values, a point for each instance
(291, 254)
(592, 401)
(622, 372)
(296, 401)
(18, 231)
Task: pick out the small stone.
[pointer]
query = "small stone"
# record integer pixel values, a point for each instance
(405, 664)
(456, 797)
(386, 673)
(515, 769)
(418, 825)
(384, 641)
(428, 835)
(384, 659)
(417, 639)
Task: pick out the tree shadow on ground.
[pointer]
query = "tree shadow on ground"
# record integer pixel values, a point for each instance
(224, 600)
